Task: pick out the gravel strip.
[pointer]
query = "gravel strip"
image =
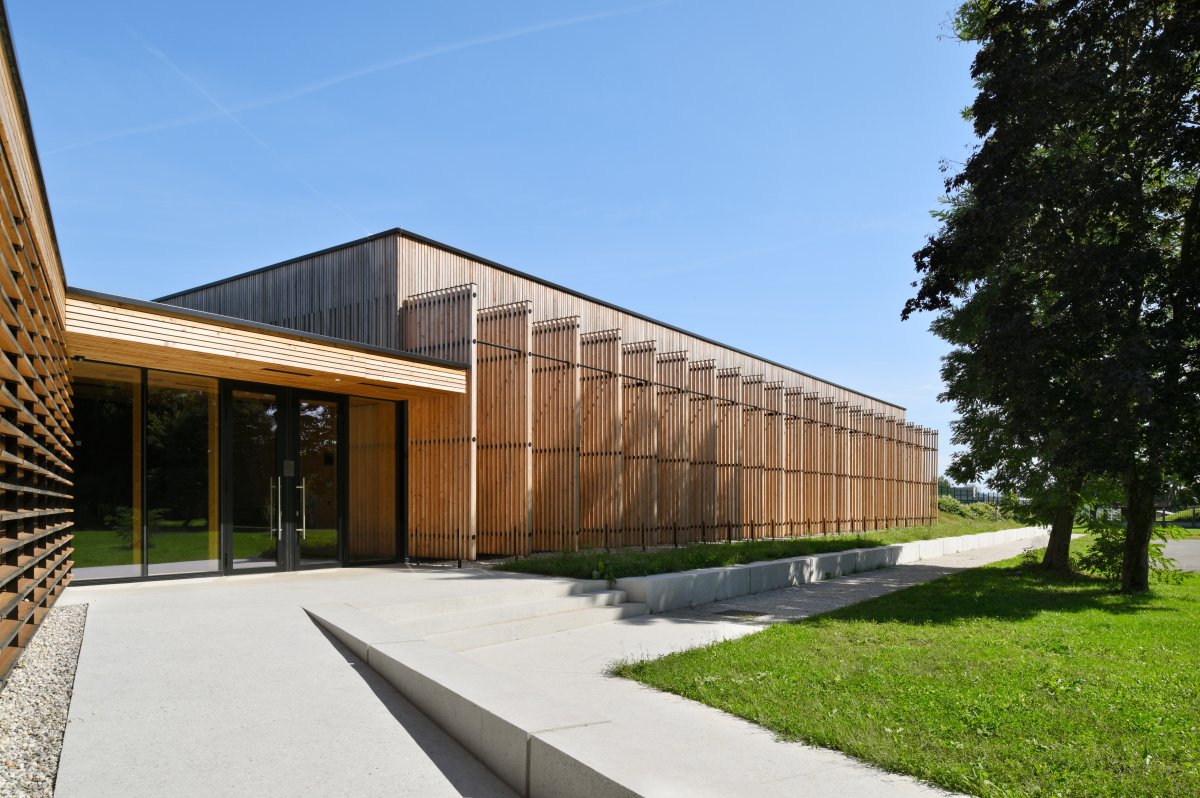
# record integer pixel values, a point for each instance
(34, 704)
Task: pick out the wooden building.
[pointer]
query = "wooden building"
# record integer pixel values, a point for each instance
(587, 425)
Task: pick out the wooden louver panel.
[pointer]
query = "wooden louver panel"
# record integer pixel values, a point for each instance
(35, 400)
(556, 434)
(600, 440)
(674, 448)
(505, 420)
(442, 432)
(639, 444)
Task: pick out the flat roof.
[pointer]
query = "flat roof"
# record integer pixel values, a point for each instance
(401, 232)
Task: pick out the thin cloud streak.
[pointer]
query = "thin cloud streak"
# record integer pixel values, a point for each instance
(345, 77)
(222, 111)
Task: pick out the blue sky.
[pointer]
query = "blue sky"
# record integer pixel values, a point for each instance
(759, 172)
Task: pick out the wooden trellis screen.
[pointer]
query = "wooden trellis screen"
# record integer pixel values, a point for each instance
(582, 441)
(674, 448)
(442, 432)
(729, 453)
(639, 444)
(752, 456)
(556, 434)
(600, 440)
(505, 429)
(35, 398)
(702, 473)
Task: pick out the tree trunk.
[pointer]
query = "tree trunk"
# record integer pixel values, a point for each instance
(1139, 517)
(1058, 548)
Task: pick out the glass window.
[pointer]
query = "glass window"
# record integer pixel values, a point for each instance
(107, 448)
(182, 508)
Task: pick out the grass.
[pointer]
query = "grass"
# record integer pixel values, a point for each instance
(1184, 515)
(95, 547)
(633, 562)
(999, 681)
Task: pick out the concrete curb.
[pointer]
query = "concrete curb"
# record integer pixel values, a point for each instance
(508, 727)
(675, 591)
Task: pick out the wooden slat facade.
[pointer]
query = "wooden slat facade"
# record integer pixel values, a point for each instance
(110, 330)
(505, 396)
(35, 397)
(442, 433)
(556, 434)
(639, 444)
(636, 433)
(600, 440)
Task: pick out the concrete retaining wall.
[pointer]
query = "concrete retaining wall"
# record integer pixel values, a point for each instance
(666, 592)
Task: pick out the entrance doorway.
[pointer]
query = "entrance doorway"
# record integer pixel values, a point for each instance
(285, 476)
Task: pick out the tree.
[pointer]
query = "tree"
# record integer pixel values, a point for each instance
(1073, 239)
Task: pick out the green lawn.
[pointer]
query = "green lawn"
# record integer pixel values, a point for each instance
(998, 681)
(107, 547)
(633, 562)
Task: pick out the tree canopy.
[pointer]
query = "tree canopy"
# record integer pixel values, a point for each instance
(1066, 270)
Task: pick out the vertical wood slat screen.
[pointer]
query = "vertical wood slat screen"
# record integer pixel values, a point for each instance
(442, 432)
(639, 443)
(674, 448)
(600, 440)
(35, 400)
(505, 429)
(775, 507)
(752, 456)
(556, 434)
(702, 472)
(729, 453)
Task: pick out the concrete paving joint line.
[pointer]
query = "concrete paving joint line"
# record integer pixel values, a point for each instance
(686, 589)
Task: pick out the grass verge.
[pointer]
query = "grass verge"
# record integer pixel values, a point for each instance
(999, 681)
(633, 562)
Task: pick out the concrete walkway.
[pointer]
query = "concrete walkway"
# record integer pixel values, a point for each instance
(226, 687)
(669, 746)
(1186, 553)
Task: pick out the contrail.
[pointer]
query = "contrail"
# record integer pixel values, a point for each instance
(320, 85)
(222, 111)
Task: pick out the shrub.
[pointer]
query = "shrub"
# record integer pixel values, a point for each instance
(1107, 550)
(949, 504)
(983, 510)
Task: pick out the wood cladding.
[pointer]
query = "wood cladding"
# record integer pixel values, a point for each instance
(348, 292)
(35, 398)
(504, 382)
(586, 426)
(109, 331)
(556, 350)
(600, 440)
(372, 482)
(442, 442)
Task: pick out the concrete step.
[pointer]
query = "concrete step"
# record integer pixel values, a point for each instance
(504, 589)
(491, 615)
(477, 637)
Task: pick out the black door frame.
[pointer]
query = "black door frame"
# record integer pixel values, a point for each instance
(287, 449)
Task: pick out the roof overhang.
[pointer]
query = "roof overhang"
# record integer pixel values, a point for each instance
(120, 330)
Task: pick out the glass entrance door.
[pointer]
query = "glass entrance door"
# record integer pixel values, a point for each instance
(255, 507)
(284, 461)
(318, 458)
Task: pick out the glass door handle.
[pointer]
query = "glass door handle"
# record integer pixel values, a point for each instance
(279, 507)
(271, 508)
(303, 510)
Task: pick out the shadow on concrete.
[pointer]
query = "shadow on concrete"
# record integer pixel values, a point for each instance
(464, 772)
